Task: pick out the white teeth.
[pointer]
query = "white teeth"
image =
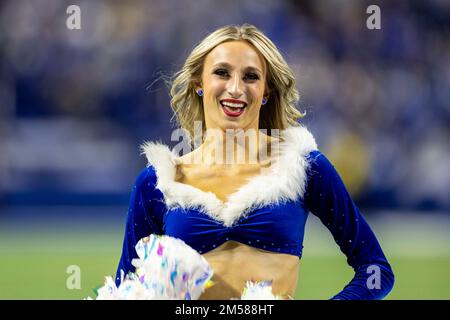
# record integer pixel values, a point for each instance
(233, 105)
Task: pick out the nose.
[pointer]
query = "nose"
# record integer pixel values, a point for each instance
(235, 89)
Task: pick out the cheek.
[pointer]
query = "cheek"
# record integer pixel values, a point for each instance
(256, 93)
(214, 88)
(255, 110)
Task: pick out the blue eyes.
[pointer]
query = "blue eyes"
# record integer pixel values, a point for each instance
(248, 76)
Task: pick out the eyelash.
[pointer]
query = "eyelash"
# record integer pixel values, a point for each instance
(224, 73)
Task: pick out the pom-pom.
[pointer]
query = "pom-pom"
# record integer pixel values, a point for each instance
(259, 290)
(167, 268)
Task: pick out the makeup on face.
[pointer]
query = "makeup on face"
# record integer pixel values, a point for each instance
(233, 84)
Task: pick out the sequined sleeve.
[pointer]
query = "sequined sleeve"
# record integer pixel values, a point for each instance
(327, 198)
(144, 217)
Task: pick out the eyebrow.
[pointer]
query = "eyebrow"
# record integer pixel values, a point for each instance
(227, 65)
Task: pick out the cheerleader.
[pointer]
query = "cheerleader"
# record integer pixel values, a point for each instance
(247, 217)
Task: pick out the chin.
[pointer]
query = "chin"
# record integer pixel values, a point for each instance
(233, 125)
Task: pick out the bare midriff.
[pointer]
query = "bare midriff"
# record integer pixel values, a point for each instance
(235, 263)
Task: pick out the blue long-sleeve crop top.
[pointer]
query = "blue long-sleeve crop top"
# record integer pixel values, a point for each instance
(269, 212)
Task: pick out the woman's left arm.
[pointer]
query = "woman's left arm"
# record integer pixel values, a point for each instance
(327, 197)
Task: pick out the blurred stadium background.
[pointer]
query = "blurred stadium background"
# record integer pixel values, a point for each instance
(76, 104)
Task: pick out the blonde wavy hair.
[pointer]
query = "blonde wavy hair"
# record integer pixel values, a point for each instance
(279, 112)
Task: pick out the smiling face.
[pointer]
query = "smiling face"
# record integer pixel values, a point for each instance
(233, 83)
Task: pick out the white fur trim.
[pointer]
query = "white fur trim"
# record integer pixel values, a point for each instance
(285, 180)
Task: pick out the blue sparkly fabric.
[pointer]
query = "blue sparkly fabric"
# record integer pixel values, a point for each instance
(276, 228)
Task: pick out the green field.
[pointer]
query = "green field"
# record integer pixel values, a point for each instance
(43, 277)
(34, 261)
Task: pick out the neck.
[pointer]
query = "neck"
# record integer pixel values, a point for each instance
(234, 147)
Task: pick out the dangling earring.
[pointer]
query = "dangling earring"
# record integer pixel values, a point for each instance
(200, 92)
(264, 101)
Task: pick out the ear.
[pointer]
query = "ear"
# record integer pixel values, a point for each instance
(197, 85)
(266, 92)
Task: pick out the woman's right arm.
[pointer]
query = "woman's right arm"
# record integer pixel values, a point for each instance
(144, 217)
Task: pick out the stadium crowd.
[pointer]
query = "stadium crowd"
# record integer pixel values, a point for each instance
(75, 104)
